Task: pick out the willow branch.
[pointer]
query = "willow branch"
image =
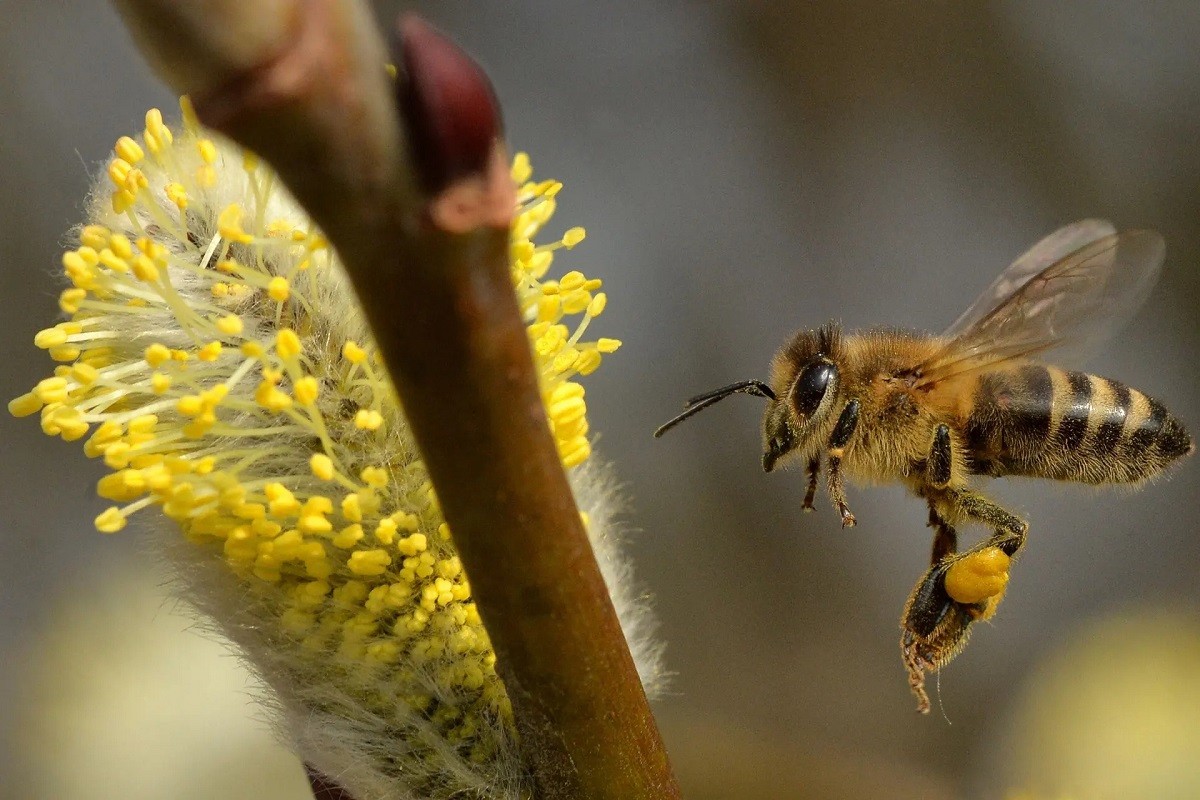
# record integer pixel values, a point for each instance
(418, 205)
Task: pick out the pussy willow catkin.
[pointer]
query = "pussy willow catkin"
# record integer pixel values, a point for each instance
(215, 358)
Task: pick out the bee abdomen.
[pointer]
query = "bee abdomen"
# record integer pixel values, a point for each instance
(1047, 422)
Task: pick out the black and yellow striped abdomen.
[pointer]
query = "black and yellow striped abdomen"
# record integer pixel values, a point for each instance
(1045, 422)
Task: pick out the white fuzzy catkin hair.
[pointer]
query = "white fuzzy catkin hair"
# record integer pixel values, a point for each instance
(218, 361)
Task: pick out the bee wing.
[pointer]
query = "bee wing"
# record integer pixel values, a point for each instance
(1072, 289)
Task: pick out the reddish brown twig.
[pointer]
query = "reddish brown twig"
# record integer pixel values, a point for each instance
(421, 223)
(323, 788)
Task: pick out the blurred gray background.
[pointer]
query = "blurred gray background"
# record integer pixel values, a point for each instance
(743, 169)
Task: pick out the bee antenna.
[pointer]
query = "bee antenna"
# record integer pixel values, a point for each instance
(703, 401)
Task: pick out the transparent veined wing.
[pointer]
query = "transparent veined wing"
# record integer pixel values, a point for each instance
(1072, 289)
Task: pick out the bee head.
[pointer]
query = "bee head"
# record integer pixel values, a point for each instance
(805, 376)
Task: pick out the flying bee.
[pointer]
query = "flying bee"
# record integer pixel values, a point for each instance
(935, 412)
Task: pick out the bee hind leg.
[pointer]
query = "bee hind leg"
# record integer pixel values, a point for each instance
(959, 588)
(945, 538)
(934, 626)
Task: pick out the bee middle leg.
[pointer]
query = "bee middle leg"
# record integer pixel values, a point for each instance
(814, 474)
(959, 588)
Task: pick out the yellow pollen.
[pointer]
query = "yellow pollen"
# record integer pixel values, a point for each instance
(368, 419)
(110, 521)
(230, 325)
(278, 289)
(207, 361)
(306, 390)
(210, 351)
(129, 150)
(229, 224)
(521, 168)
(287, 344)
(353, 353)
(322, 466)
(156, 355)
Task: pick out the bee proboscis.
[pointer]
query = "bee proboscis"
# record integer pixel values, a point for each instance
(934, 412)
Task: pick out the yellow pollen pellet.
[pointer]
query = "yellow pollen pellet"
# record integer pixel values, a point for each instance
(219, 290)
(322, 466)
(278, 289)
(210, 351)
(249, 161)
(306, 390)
(353, 353)
(160, 382)
(252, 350)
(287, 344)
(608, 345)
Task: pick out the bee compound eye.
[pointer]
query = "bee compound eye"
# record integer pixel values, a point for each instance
(809, 389)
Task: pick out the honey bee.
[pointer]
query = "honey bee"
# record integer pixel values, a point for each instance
(935, 412)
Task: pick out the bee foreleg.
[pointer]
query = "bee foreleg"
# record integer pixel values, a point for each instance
(814, 474)
(846, 425)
